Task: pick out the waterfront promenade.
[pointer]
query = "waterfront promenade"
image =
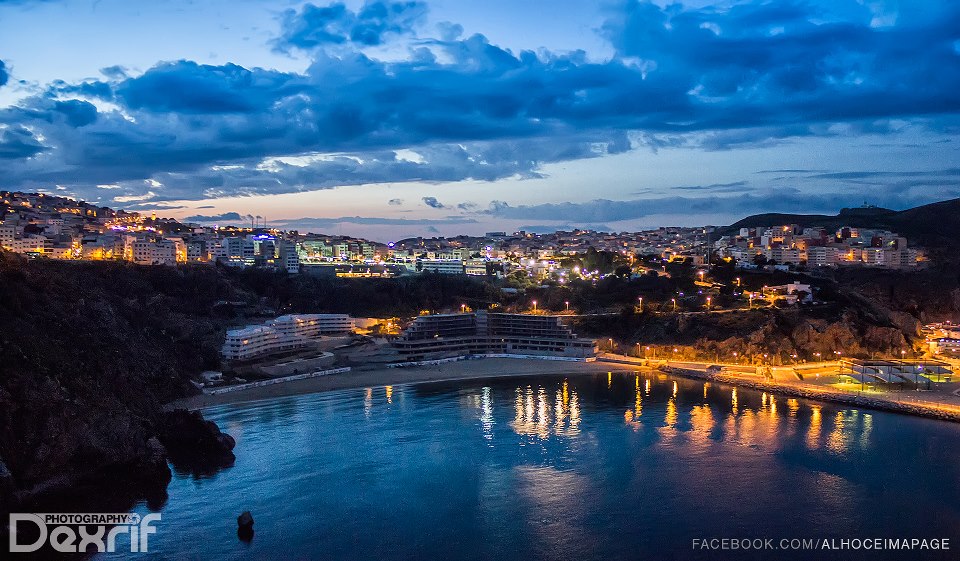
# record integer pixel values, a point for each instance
(823, 381)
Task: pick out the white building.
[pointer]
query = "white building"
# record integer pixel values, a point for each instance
(285, 333)
(289, 258)
(822, 256)
(159, 252)
(442, 266)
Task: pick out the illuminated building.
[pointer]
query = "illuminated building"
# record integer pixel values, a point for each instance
(285, 333)
(441, 335)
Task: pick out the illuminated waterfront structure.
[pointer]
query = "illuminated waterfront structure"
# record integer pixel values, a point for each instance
(445, 335)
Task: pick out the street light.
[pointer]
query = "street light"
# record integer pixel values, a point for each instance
(674, 300)
(534, 305)
(738, 282)
(641, 303)
(708, 302)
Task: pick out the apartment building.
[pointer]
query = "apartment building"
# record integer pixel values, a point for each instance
(444, 335)
(285, 333)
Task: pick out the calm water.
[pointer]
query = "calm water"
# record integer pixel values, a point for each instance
(577, 467)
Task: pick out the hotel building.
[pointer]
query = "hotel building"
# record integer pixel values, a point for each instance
(445, 335)
(285, 333)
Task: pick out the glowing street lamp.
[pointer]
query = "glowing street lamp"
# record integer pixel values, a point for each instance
(463, 308)
(708, 302)
(674, 300)
(567, 304)
(738, 282)
(640, 300)
(534, 305)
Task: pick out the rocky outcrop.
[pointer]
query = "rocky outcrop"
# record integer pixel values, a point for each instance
(245, 526)
(195, 445)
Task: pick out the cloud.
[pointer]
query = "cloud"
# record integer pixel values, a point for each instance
(873, 174)
(395, 202)
(779, 200)
(17, 143)
(225, 217)
(551, 228)
(733, 187)
(315, 26)
(151, 206)
(4, 74)
(307, 223)
(753, 74)
(432, 202)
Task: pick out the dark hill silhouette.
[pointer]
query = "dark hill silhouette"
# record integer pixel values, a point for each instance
(934, 225)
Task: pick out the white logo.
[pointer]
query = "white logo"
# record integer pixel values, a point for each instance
(72, 533)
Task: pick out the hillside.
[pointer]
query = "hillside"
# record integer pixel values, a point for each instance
(934, 225)
(91, 351)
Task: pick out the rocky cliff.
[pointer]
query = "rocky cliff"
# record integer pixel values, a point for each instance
(88, 355)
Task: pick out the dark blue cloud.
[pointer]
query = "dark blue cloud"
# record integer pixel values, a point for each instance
(4, 74)
(432, 202)
(18, 143)
(780, 200)
(77, 113)
(191, 88)
(782, 62)
(315, 26)
(307, 223)
(225, 217)
(754, 74)
(732, 187)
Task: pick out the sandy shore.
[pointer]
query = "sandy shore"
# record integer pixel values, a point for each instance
(463, 370)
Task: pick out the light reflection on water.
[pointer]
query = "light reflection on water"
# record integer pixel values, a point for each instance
(596, 467)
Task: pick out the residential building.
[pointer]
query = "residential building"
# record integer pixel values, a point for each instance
(443, 335)
(285, 333)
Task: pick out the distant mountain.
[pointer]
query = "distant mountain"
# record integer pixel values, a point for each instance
(936, 225)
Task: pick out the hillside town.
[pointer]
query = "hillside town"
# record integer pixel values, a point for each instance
(42, 225)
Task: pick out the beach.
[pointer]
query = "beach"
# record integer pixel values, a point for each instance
(461, 370)
(918, 404)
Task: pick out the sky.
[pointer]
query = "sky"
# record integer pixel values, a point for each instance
(386, 119)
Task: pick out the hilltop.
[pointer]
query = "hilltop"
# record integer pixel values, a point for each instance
(933, 225)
